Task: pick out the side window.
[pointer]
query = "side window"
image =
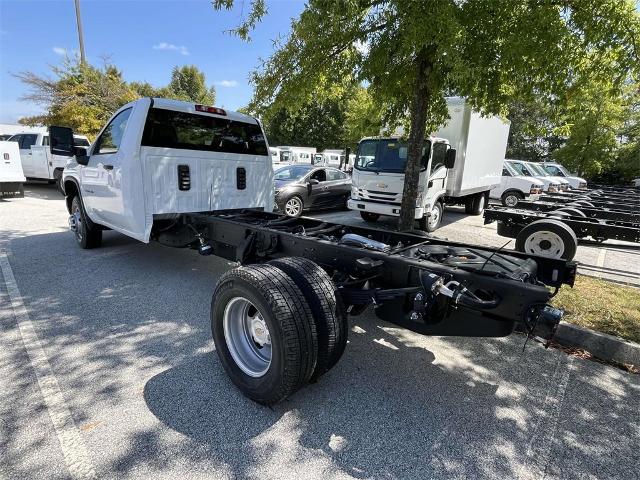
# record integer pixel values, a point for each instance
(439, 154)
(45, 140)
(17, 139)
(320, 175)
(335, 175)
(28, 140)
(109, 141)
(505, 172)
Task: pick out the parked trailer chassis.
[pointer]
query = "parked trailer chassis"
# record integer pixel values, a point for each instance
(590, 212)
(279, 319)
(556, 233)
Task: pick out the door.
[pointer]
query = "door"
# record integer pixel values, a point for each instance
(25, 141)
(319, 192)
(102, 176)
(437, 173)
(338, 188)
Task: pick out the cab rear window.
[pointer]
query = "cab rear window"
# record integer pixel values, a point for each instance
(188, 131)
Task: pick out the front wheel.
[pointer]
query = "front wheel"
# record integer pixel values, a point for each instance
(293, 206)
(88, 234)
(433, 221)
(511, 199)
(264, 332)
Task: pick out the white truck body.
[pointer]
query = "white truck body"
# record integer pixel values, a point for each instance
(37, 161)
(11, 175)
(480, 144)
(558, 170)
(514, 187)
(331, 158)
(152, 167)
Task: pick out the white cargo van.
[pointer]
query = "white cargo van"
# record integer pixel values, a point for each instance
(558, 170)
(37, 161)
(515, 187)
(11, 175)
(477, 144)
(289, 154)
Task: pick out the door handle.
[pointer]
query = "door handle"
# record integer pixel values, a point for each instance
(107, 167)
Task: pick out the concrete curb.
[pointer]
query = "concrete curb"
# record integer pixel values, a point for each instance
(601, 345)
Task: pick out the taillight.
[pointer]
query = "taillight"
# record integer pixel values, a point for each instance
(207, 109)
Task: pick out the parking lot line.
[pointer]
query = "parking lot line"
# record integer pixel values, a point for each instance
(73, 448)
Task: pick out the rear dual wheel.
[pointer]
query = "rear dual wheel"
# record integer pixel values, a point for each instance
(548, 238)
(276, 327)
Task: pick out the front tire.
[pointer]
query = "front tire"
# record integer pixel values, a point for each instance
(88, 235)
(433, 221)
(264, 332)
(511, 199)
(293, 206)
(370, 217)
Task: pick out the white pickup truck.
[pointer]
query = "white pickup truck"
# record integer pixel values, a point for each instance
(37, 161)
(197, 176)
(515, 187)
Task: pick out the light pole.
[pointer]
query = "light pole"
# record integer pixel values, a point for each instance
(79, 23)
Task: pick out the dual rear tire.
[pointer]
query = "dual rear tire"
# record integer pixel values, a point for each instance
(277, 327)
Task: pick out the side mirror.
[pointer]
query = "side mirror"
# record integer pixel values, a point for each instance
(313, 181)
(81, 155)
(61, 141)
(450, 158)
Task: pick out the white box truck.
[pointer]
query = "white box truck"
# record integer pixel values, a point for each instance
(461, 163)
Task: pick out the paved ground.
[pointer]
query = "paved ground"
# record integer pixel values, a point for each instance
(109, 369)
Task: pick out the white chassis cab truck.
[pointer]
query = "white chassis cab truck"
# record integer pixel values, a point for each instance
(200, 177)
(37, 161)
(515, 187)
(461, 163)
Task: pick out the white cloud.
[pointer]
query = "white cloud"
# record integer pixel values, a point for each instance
(59, 51)
(170, 46)
(227, 83)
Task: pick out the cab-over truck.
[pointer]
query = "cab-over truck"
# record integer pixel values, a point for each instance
(196, 176)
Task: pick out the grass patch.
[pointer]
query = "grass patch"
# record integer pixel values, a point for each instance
(603, 306)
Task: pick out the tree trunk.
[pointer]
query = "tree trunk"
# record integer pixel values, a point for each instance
(419, 104)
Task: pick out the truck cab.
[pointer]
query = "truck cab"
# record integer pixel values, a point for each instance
(558, 170)
(378, 179)
(523, 169)
(515, 187)
(157, 158)
(37, 161)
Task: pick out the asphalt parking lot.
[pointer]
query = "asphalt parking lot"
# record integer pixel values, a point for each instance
(107, 370)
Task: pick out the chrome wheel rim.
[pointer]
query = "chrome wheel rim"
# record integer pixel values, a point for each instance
(75, 223)
(293, 207)
(247, 336)
(511, 200)
(434, 218)
(544, 243)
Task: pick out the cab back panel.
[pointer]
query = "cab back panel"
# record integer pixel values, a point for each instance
(213, 180)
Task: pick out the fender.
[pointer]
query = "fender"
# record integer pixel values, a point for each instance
(71, 187)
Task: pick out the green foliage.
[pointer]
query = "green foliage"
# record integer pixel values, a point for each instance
(333, 118)
(188, 83)
(411, 52)
(84, 97)
(81, 96)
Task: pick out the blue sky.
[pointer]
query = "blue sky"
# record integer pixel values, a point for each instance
(143, 38)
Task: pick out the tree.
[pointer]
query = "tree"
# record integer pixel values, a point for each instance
(188, 83)
(333, 117)
(411, 52)
(84, 97)
(80, 96)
